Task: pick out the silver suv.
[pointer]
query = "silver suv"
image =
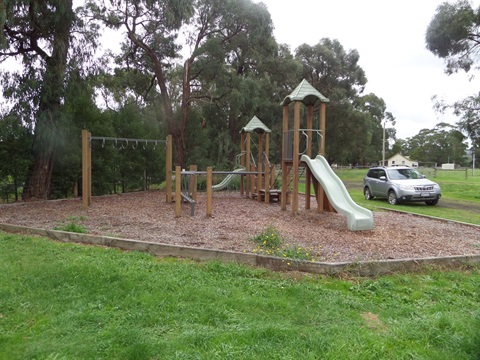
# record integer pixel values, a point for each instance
(400, 184)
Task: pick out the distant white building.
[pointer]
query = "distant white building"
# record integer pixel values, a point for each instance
(400, 160)
(448, 166)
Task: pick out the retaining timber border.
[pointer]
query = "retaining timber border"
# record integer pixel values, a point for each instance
(360, 268)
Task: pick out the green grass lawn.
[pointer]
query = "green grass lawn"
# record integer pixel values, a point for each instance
(458, 186)
(68, 301)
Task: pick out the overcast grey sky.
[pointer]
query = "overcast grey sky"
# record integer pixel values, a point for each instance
(390, 38)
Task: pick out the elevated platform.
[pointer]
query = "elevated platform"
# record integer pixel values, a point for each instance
(274, 195)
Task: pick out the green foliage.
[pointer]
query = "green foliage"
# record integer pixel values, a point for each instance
(270, 238)
(453, 35)
(270, 242)
(326, 65)
(15, 145)
(71, 227)
(443, 144)
(235, 70)
(73, 301)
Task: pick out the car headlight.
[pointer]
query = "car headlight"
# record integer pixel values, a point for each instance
(436, 186)
(407, 187)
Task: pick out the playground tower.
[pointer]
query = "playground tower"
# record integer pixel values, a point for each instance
(307, 95)
(256, 185)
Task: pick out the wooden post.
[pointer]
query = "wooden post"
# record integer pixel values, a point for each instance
(271, 166)
(267, 145)
(308, 173)
(260, 167)
(284, 163)
(267, 183)
(323, 109)
(89, 152)
(252, 182)
(178, 191)
(247, 164)
(168, 169)
(296, 149)
(209, 191)
(86, 169)
(242, 163)
(321, 193)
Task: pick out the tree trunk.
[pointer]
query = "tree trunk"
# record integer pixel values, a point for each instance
(39, 177)
(46, 135)
(177, 131)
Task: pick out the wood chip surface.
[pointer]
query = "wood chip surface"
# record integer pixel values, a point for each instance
(146, 216)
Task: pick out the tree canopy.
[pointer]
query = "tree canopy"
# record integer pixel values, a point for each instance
(454, 35)
(196, 69)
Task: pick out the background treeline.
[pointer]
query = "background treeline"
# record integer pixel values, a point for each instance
(196, 69)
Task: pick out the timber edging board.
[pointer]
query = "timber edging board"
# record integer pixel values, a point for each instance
(360, 268)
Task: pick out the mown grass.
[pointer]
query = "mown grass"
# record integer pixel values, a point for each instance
(456, 186)
(67, 301)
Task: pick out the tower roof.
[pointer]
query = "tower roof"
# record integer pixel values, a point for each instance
(255, 125)
(305, 93)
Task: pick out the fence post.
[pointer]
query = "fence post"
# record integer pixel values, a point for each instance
(178, 191)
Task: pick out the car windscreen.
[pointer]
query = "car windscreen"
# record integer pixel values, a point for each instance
(403, 174)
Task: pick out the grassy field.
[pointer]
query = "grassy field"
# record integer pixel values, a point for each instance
(67, 301)
(460, 194)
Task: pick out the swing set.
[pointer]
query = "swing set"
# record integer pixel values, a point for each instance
(119, 143)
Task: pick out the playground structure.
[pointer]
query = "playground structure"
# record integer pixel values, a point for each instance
(257, 176)
(330, 192)
(259, 182)
(123, 143)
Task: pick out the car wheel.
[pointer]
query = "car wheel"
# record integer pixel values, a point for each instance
(392, 198)
(431, 202)
(367, 193)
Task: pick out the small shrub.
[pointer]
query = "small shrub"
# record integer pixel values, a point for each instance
(72, 227)
(270, 242)
(296, 252)
(269, 239)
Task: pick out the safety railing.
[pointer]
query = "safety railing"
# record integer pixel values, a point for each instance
(288, 139)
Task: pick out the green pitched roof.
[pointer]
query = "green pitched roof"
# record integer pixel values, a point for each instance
(255, 125)
(305, 93)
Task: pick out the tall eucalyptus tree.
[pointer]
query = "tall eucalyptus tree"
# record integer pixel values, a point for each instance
(354, 121)
(454, 36)
(220, 41)
(38, 37)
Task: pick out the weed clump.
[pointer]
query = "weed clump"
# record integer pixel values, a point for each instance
(270, 242)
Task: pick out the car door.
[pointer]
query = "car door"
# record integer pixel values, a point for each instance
(378, 184)
(381, 189)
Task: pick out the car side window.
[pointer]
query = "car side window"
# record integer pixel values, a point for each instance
(372, 174)
(381, 173)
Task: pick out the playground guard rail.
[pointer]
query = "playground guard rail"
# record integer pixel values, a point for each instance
(288, 141)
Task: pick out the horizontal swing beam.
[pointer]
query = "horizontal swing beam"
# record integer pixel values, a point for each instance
(223, 172)
(127, 140)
